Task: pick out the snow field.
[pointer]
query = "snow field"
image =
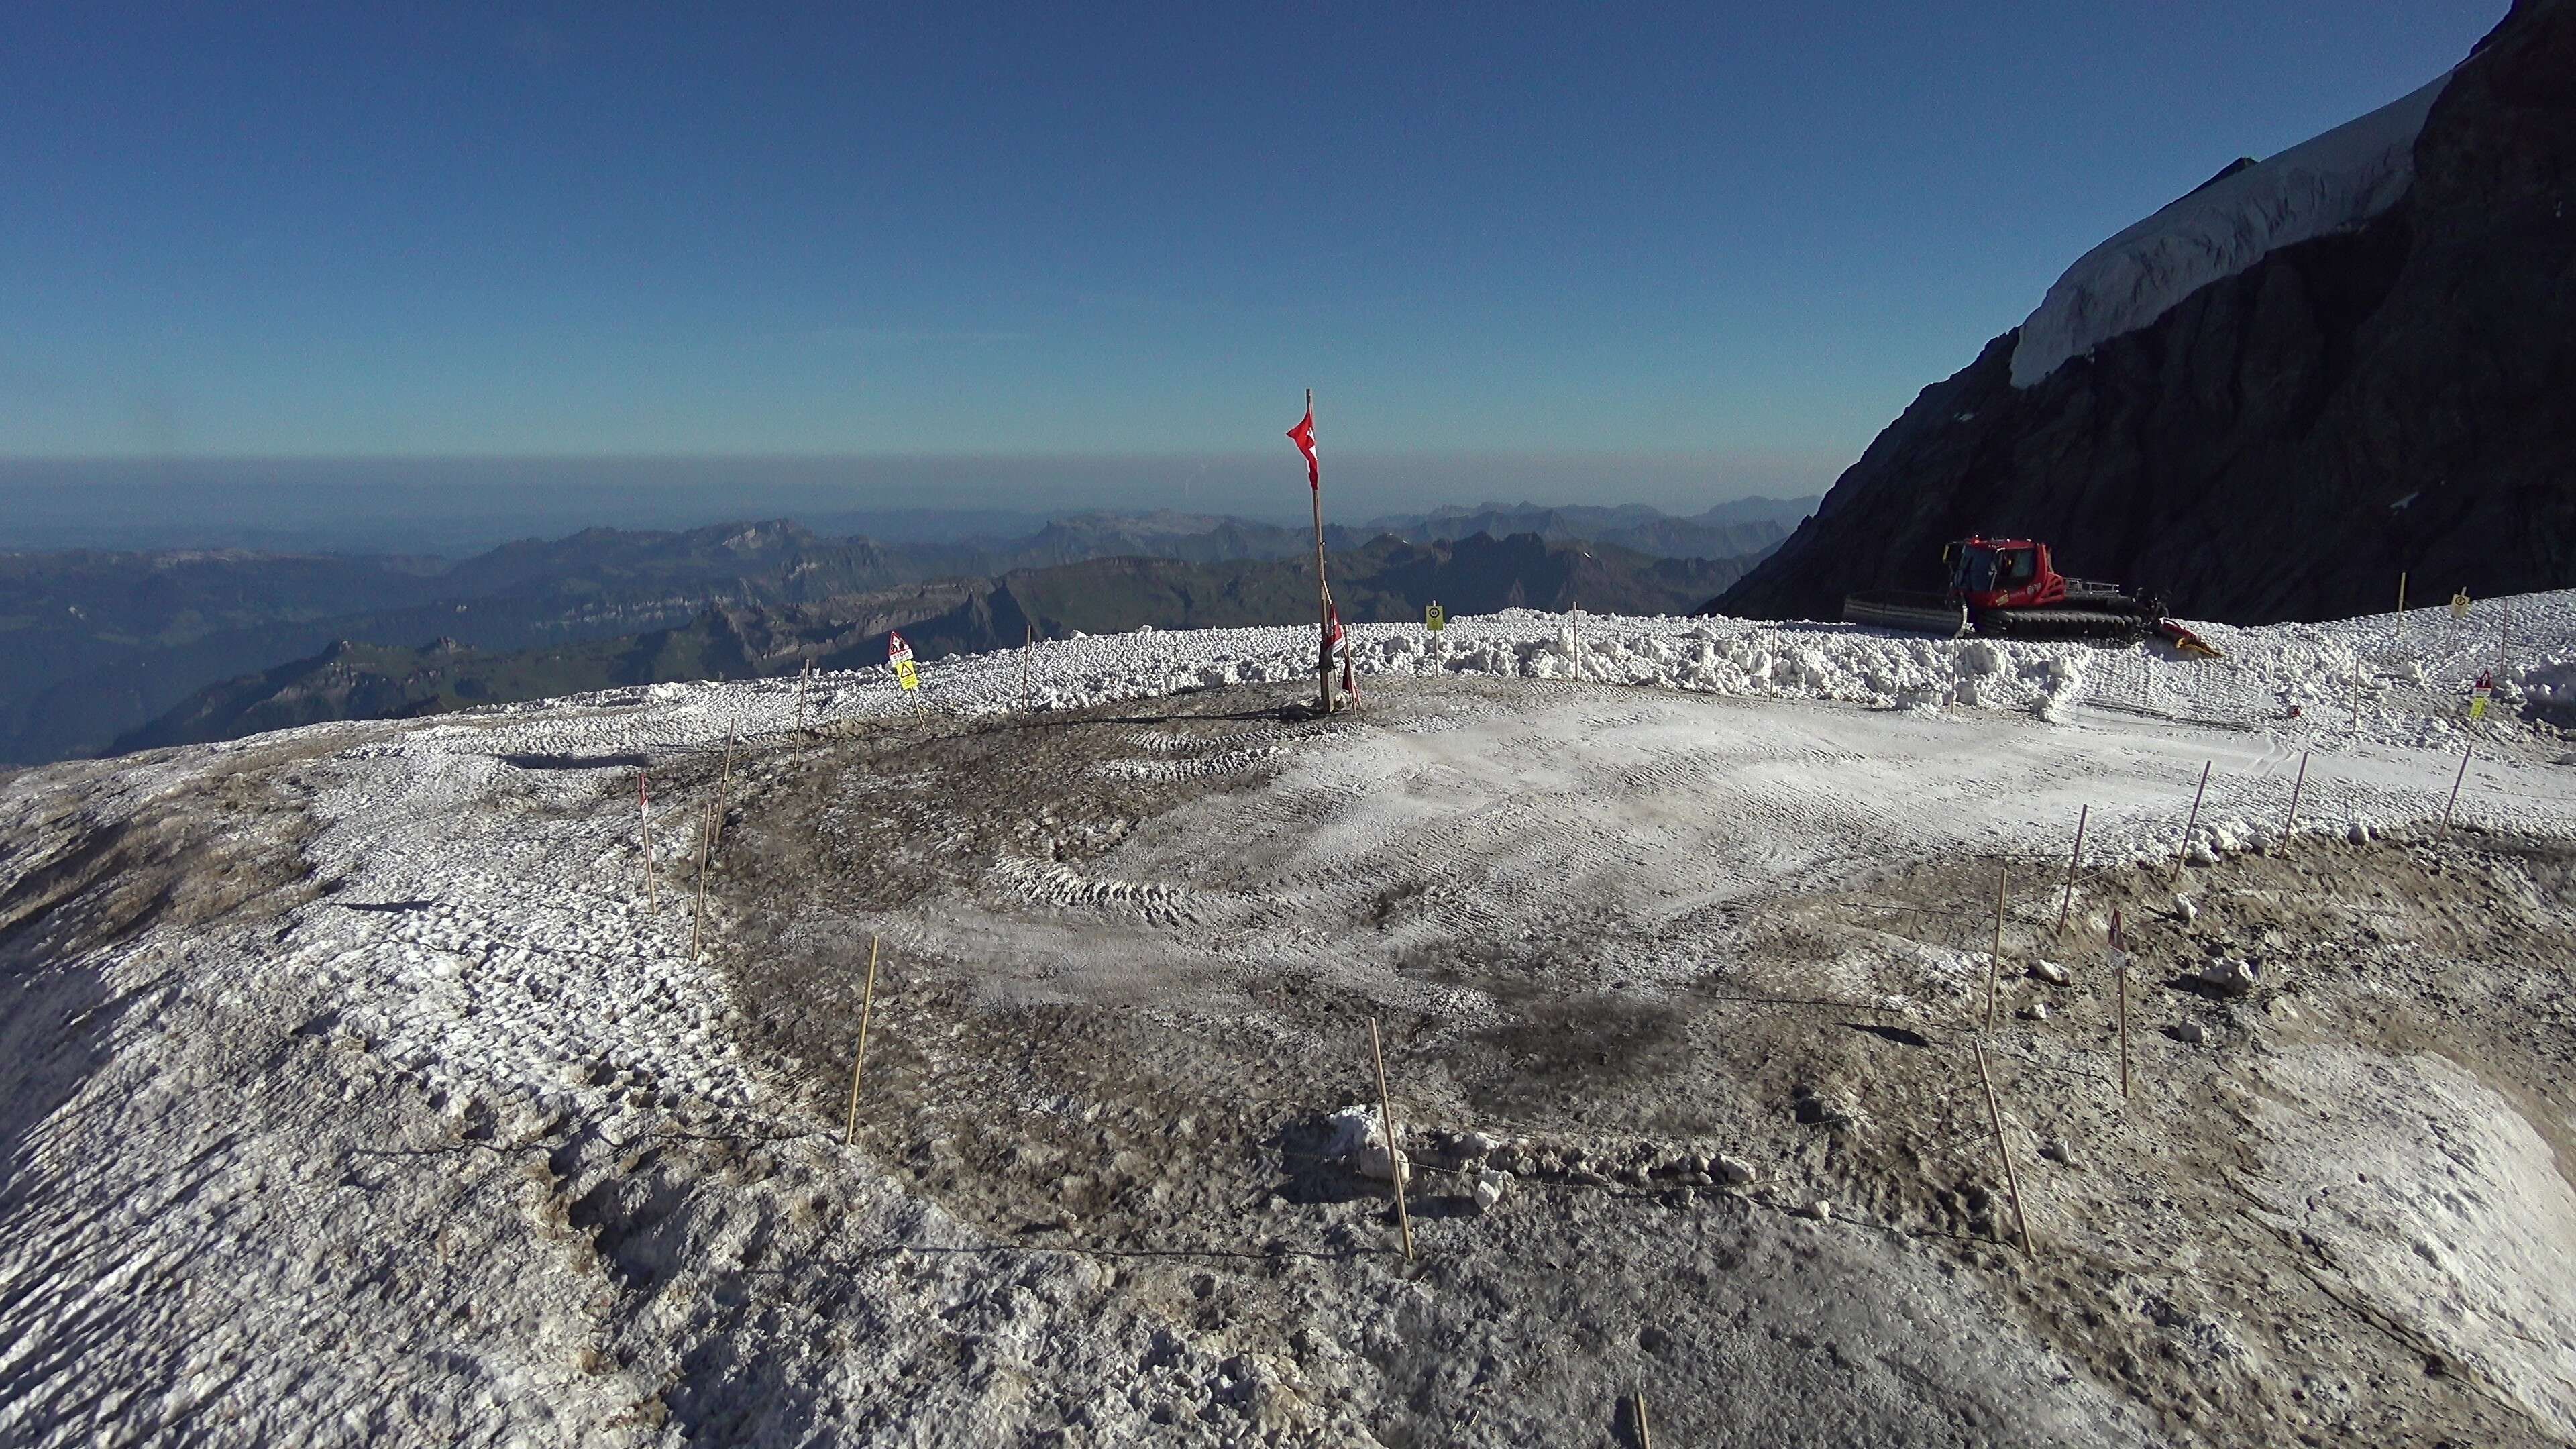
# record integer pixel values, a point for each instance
(2329, 183)
(509, 945)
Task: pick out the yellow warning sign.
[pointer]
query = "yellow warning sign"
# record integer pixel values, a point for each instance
(899, 655)
(2460, 604)
(1435, 619)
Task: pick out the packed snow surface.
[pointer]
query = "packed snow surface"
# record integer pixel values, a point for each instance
(529, 957)
(483, 942)
(2328, 184)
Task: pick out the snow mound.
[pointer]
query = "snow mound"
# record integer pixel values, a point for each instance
(2321, 186)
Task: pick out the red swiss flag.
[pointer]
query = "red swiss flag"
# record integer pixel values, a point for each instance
(1303, 435)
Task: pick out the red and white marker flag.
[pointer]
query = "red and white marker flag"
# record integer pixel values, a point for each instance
(1303, 435)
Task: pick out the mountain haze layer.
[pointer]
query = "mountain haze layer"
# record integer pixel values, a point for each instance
(95, 644)
(1386, 581)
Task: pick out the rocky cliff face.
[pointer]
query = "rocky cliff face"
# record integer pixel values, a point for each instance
(2398, 395)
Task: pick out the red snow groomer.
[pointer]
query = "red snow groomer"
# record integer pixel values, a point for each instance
(2008, 586)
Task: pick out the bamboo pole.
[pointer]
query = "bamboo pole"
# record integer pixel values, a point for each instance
(1645, 1440)
(2012, 1178)
(2456, 781)
(706, 841)
(2073, 862)
(1394, 1158)
(724, 788)
(2183, 850)
(1995, 960)
(2120, 968)
(2291, 822)
(867, 1007)
(644, 831)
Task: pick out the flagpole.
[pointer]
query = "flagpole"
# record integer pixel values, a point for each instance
(1323, 591)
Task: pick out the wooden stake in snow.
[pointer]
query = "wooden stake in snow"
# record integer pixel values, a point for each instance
(1394, 1158)
(2073, 862)
(724, 787)
(867, 1005)
(2120, 969)
(803, 677)
(2012, 1179)
(2456, 781)
(2291, 821)
(1028, 651)
(2401, 607)
(644, 815)
(2183, 850)
(1995, 962)
(706, 842)
(1638, 1404)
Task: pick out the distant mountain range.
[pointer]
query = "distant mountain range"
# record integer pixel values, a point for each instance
(95, 646)
(1385, 580)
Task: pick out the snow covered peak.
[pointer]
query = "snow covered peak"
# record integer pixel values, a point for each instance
(2327, 184)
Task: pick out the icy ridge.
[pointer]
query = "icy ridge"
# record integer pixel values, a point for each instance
(2327, 184)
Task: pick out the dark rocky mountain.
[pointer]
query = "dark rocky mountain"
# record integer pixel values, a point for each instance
(1387, 580)
(2396, 395)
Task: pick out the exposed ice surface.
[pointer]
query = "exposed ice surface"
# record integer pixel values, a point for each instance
(2327, 184)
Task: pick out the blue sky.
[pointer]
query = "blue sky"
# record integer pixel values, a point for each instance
(1738, 234)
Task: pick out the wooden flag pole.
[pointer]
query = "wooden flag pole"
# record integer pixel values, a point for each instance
(1394, 1158)
(1995, 962)
(1323, 595)
(867, 1006)
(2073, 862)
(2012, 1179)
(2184, 850)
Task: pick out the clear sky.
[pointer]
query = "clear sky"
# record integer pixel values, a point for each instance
(1740, 234)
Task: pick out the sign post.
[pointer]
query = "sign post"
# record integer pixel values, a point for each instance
(1434, 619)
(899, 655)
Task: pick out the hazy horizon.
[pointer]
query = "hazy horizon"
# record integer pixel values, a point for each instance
(451, 506)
